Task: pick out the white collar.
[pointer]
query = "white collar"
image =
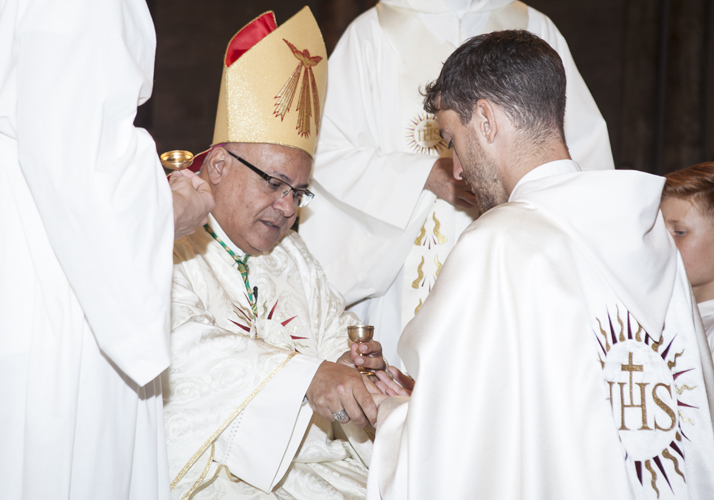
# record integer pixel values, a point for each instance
(545, 170)
(706, 308)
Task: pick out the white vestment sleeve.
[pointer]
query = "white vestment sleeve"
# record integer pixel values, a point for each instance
(501, 382)
(213, 372)
(329, 318)
(350, 159)
(262, 441)
(393, 432)
(96, 179)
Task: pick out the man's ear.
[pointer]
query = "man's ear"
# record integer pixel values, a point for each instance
(484, 118)
(216, 163)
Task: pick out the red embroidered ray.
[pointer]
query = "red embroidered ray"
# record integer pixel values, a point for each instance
(664, 354)
(270, 315)
(661, 468)
(240, 326)
(674, 446)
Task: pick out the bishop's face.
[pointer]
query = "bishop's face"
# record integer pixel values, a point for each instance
(693, 234)
(252, 219)
(471, 161)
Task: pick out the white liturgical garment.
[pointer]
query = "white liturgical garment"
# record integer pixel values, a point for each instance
(275, 442)
(378, 234)
(706, 309)
(85, 255)
(559, 356)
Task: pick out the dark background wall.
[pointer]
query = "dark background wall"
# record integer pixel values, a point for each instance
(648, 63)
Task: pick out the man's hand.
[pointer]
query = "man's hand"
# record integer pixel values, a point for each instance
(442, 183)
(377, 395)
(336, 387)
(400, 385)
(193, 200)
(364, 354)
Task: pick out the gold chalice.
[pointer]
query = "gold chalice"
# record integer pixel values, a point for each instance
(359, 335)
(176, 159)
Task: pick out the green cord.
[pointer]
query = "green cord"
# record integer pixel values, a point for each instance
(242, 267)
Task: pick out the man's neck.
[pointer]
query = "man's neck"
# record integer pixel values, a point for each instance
(705, 292)
(224, 237)
(524, 160)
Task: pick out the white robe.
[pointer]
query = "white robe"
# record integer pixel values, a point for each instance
(85, 254)
(276, 443)
(378, 234)
(706, 309)
(531, 364)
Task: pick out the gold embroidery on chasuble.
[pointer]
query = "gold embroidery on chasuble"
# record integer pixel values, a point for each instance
(646, 390)
(422, 135)
(309, 96)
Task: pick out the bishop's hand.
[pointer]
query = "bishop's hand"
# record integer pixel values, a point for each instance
(336, 387)
(442, 183)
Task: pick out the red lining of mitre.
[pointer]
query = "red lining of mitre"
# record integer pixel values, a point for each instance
(249, 35)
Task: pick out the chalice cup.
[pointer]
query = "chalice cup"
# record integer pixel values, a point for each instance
(177, 159)
(359, 335)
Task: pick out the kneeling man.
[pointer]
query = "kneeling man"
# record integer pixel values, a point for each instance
(562, 321)
(261, 365)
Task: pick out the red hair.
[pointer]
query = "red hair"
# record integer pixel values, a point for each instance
(695, 183)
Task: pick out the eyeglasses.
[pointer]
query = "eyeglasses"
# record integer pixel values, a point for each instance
(278, 188)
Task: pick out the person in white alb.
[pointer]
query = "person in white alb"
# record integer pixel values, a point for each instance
(85, 253)
(688, 209)
(388, 211)
(560, 354)
(262, 373)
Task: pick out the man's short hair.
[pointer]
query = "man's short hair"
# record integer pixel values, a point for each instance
(513, 69)
(695, 183)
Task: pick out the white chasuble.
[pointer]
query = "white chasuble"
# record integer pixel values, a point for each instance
(86, 232)
(706, 309)
(236, 386)
(559, 356)
(380, 236)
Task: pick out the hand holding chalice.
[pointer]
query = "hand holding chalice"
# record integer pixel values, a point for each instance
(360, 335)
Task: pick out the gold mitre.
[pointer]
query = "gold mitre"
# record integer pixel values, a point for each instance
(263, 67)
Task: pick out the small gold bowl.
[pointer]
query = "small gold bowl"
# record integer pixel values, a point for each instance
(362, 333)
(176, 159)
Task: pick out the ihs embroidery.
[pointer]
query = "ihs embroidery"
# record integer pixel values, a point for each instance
(649, 407)
(423, 135)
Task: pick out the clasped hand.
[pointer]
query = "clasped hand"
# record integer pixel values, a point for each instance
(338, 386)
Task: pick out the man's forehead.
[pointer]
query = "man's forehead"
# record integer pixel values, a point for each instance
(284, 162)
(446, 124)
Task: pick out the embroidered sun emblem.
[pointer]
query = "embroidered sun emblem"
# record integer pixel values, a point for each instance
(645, 398)
(423, 135)
(270, 329)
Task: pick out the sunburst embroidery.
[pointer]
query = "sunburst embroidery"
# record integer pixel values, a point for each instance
(647, 404)
(423, 135)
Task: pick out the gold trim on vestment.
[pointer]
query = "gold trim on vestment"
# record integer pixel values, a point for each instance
(223, 427)
(189, 493)
(213, 479)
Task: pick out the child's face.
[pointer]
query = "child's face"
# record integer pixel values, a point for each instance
(694, 235)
